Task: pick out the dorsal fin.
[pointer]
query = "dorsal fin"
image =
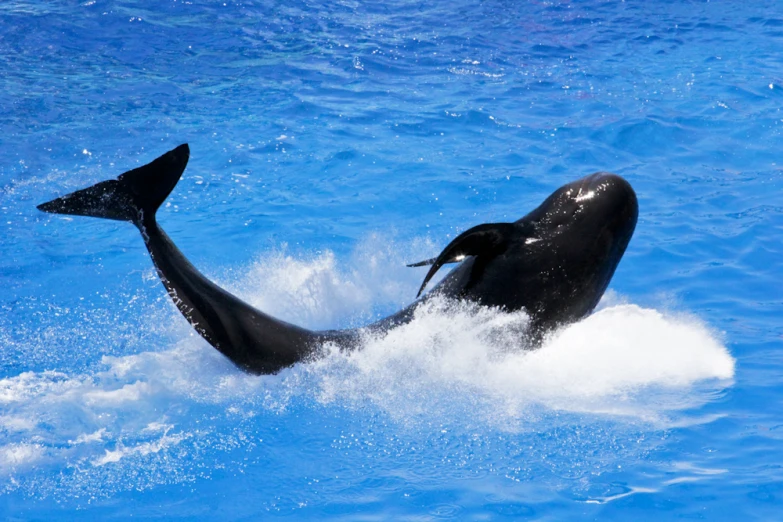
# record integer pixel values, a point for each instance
(490, 240)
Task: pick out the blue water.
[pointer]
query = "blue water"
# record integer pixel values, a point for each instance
(332, 142)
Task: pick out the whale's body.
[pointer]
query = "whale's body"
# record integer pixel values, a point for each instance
(555, 263)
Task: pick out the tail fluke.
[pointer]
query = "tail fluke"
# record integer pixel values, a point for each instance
(134, 196)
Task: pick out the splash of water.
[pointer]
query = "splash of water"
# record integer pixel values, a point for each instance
(622, 360)
(455, 361)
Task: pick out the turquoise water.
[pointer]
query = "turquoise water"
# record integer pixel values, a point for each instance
(332, 143)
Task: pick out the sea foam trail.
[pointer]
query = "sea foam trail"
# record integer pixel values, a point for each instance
(455, 355)
(604, 363)
(456, 362)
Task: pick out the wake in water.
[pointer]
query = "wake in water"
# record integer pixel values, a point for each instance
(456, 363)
(611, 362)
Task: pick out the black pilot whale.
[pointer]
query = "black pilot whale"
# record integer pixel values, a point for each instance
(555, 263)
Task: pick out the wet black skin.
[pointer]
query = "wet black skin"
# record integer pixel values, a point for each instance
(565, 253)
(555, 263)
(559, 261)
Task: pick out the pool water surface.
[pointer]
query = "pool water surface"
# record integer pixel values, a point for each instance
(331, 144)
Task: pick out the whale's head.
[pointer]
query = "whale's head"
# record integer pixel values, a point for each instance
(571, 245)
(596, 214)
(555, 262)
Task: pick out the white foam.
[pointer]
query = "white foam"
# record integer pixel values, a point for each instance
(621, 360)
(321, 291)
(145, 448)
(454, 361)
(87, 438)
(19, 456)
